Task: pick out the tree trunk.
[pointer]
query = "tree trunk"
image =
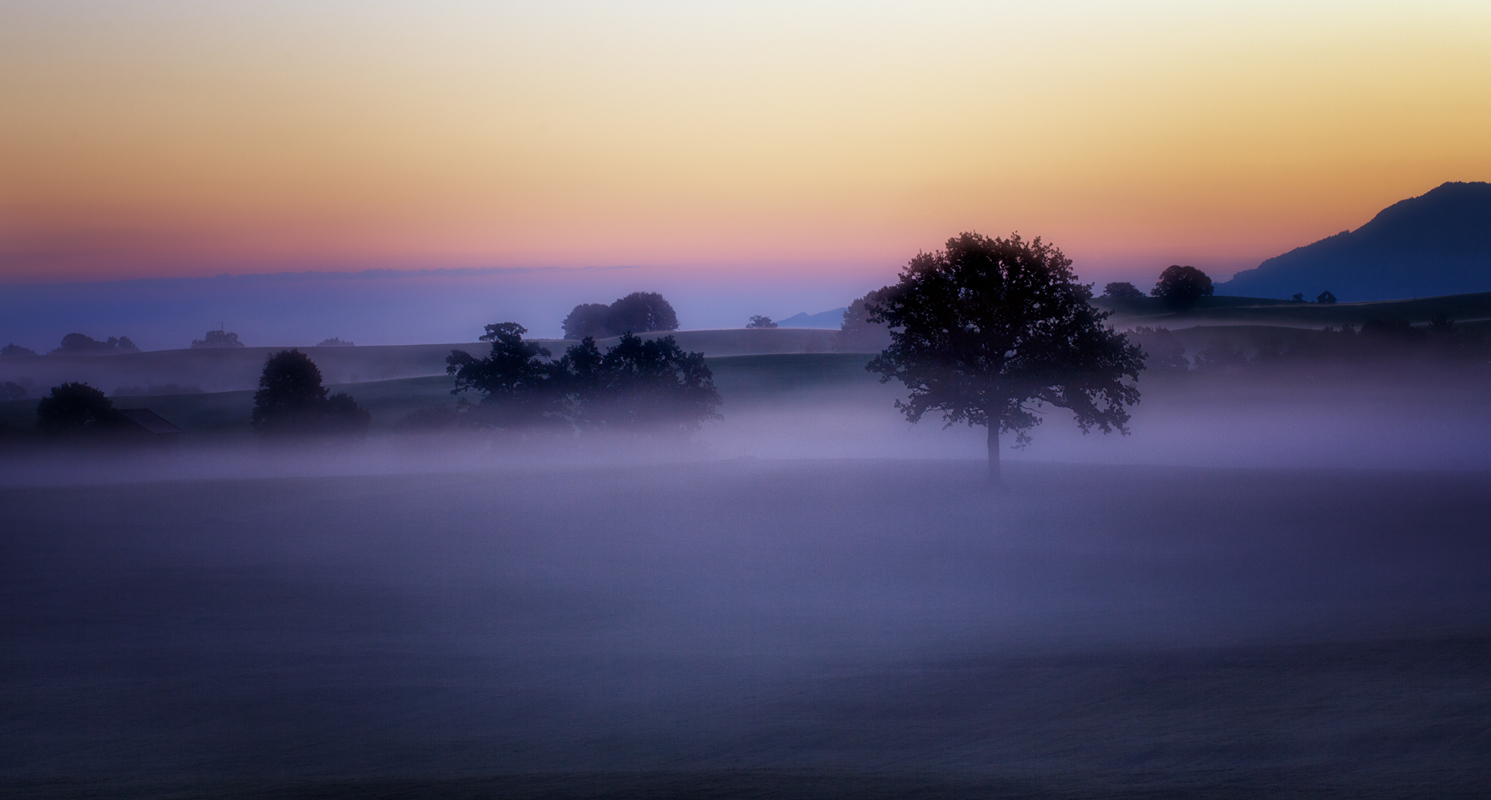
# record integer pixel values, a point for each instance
(994, 475)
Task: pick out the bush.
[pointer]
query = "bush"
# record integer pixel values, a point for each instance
(13, 350)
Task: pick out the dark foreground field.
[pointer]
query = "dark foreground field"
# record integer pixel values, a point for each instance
(750, 629)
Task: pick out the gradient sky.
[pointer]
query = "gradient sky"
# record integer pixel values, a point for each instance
(151, 139)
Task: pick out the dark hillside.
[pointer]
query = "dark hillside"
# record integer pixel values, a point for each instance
(1435, 244)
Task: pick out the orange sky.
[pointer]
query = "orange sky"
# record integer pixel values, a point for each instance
(186, 138)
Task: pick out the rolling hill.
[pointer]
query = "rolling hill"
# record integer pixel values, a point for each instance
(1432, 245)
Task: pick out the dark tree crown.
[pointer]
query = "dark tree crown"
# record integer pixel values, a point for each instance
(72, 408)
(638, 312)
(1181, 287)
(987, 330)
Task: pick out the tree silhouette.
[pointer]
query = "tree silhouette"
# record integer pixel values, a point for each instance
(1181, 287)
(1122, 290)
(638, 312)
(292, 402)
(14, 350)
(587, 319)
(759, 321)
(82, 344)
(513, 379)
(988, 330)
(74, 409)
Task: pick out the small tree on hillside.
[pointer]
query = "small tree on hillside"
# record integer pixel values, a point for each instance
(291, 401)
(1122, 290)
(1181, 287)
(73, 409)
(988, 330)
(759, 321)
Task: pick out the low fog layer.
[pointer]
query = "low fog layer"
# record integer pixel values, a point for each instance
(1089, 624)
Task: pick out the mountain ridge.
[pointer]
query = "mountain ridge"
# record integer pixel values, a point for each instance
(1438, 243)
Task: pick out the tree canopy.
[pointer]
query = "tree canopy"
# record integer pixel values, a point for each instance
(1122, 290)
(638, 312)
(987, 331)
(291, 401)
(758, 321)
(1181, 287)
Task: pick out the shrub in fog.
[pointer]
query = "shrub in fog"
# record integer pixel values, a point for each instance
(14, 350)
(638, 312)
(291, 401)
(335, 342)
(1122, 290)
(989, 330)
(75, 409)
(1182, 287)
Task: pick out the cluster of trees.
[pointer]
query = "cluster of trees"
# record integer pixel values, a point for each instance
(760, 322)
(638, 312)
(292, 402)
(637, 384)
(217, 339)
(14, 350)
(1179, 287)
(79, 344)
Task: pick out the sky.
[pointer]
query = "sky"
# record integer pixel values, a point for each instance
(722, 142)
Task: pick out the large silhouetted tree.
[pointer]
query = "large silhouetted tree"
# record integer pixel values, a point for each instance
(1181, 287)
(988, 330)
(587, 319)
(292, 402)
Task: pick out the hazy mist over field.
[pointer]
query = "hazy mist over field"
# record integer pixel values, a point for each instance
(514, 400)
